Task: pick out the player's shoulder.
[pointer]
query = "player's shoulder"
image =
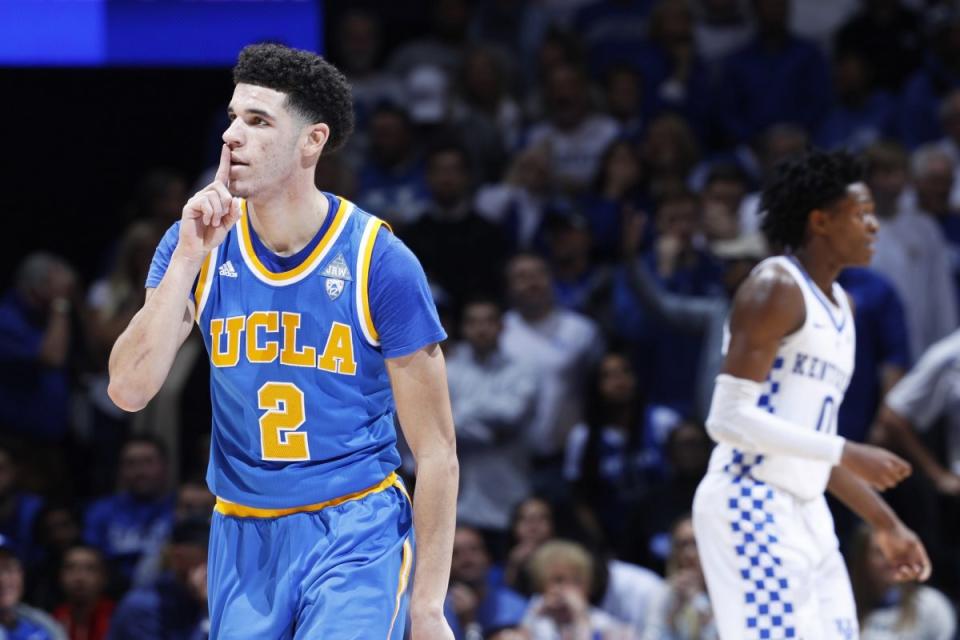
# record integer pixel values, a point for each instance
(770, 296)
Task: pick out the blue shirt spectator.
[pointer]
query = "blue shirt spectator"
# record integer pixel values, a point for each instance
(136, 521)
(920, 99)
(474, 602)
(883, 352)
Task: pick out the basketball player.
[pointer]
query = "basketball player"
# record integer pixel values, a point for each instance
(765, 534)
(311, 311)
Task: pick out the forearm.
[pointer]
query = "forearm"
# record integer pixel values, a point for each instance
(861, 499)
(434, 518)
(144, 352)
(903, 437)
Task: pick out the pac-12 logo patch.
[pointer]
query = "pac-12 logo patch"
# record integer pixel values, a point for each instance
(334, 287)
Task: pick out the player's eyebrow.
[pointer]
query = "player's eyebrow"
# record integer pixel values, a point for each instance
(256, 112)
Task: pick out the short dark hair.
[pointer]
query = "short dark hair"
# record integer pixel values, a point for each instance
(315, 88)
(144, 438)
(815, 180)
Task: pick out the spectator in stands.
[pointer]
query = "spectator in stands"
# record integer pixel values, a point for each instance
(777, 77)
(443, 45)
(580, 283)
(576, 135)
(37, 325)
(950, 142)
(86, 611)
(515, 28)
(617, 188)
(625, 100)
(474, 606)
(18, 509)
(722, 27)
(933, 169)
(17, 620)
(861, 115)
(682, 610)
(391, 181)
(646, 536)
(135, 521)
(57, 529)
(562, 573)
(530, 526)
(670, 152)
(492, 398)
(520, 203)
(175, 606)
(613, 30)
(910, 251)
(779, 143)
(889, 608)
(606, 461)
(889, 35)
(559, 346)
(459, 250)
(933, 80)
(723, 192)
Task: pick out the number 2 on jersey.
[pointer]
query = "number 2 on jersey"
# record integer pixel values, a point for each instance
(279, 439)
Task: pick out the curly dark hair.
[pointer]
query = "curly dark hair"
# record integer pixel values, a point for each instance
(815, 180)
(315, 88)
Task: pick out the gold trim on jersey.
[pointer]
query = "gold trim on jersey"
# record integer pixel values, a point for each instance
(228, 508)
(204, 281)
(406, 563)
(245, 231)
(364, 256)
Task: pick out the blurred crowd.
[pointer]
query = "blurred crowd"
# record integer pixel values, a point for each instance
(580, 181)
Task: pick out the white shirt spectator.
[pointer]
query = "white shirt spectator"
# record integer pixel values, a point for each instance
(560, 349)
(632, 592)
(492, 401)
(934, 619)
(576, 153)
(912, 253)
(932, 390)
(602, 625)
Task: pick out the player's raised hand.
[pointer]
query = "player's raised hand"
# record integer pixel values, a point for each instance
(902, 548)
(878, 467)
(209, 214)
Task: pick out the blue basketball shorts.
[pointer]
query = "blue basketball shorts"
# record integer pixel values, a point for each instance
(334, 571)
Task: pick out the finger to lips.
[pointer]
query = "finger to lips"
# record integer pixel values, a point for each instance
(223, 170)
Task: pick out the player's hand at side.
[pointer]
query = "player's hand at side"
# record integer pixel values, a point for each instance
(902, 548)
(429, 625)
(878, 467)
(209, 215)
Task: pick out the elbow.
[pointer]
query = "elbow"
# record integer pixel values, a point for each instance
(126, 396)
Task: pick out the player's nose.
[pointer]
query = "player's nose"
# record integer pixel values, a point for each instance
(231, 136)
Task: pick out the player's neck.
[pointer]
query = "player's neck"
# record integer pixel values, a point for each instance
(821, 268)
(287, 220)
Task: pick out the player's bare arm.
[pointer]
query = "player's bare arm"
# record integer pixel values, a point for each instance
(769, 307)
(419, 384)
(144, 352)
(900, 545)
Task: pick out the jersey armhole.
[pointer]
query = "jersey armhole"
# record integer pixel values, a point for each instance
(364, 259)
(204, 281)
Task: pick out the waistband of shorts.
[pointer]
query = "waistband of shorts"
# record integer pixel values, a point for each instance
(227, 508)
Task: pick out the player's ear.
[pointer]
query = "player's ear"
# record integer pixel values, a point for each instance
(818, 222)
(317, 136)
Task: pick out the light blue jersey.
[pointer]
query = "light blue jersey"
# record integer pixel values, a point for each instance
(303, 423)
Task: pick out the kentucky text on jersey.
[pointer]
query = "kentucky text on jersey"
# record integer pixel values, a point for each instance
(813, 367)
(272, 335)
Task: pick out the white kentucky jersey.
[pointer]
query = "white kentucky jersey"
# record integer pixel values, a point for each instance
(805, 387)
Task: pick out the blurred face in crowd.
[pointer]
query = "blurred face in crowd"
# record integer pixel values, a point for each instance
(850, 76)
(560, 582)
(534, 522)
(60, 528)
(679, 217)
(617, 383)
(531, 169)
(623, 94)
(688, 449)
(471, 562)
(720, 222)
(482, 78)
(622, 165)
(143, 470)
(887, 181)
(448, 178)
(11, 581)
(570, 249)
(82, 576)
(481, 326)
(935, 184)
(683, 547)
(528, 281)
(359, 42)
(728, 192)
(389, 137)
(266, 139)
(194, 501)
(567, 95)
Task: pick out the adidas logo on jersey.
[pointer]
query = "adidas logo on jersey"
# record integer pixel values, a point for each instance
(227, 270)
